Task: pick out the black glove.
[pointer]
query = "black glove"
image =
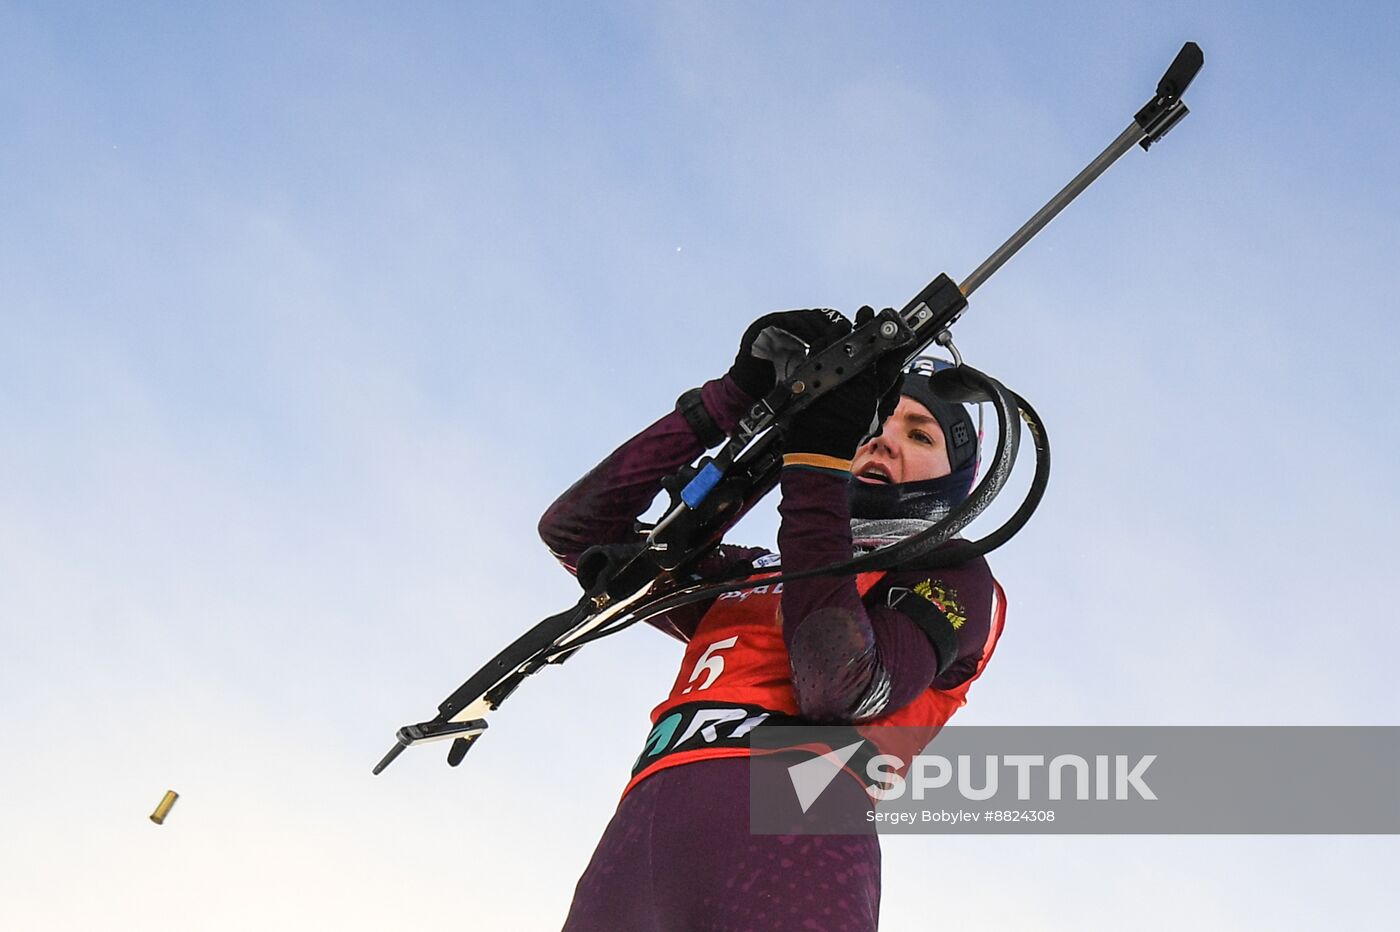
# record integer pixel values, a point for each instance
(837, 422)
(817, 328)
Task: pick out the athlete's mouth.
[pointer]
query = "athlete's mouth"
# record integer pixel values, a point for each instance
(874, 473)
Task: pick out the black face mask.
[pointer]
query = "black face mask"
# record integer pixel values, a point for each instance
(927, 500)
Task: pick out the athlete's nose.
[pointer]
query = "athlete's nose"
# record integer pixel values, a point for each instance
(881, 443)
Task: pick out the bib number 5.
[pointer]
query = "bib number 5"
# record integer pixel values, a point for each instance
(709, 663)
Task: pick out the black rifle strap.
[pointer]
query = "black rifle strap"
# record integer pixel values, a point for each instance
(931, 620)
(693, 410)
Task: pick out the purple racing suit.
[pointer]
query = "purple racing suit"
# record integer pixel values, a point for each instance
(678, 853)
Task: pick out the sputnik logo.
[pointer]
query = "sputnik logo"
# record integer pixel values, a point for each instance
(811, 777)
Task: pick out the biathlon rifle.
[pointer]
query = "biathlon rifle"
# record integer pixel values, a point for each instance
(631, 583)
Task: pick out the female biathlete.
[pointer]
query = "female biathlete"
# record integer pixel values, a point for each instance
(678, 853)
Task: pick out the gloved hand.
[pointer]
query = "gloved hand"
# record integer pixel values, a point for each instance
(817, 328)
(837, 422)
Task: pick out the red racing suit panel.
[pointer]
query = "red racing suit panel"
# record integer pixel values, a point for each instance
(736, 677)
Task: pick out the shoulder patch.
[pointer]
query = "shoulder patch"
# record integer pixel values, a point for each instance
(946, 598)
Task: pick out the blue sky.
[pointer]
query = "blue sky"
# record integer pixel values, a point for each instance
(308, 311)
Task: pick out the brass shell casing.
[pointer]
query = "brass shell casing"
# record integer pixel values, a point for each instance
(163, 810)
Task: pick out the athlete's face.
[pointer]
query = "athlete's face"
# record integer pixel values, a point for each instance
(909, 448)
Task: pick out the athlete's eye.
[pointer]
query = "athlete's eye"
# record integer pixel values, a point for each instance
(921, 437)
